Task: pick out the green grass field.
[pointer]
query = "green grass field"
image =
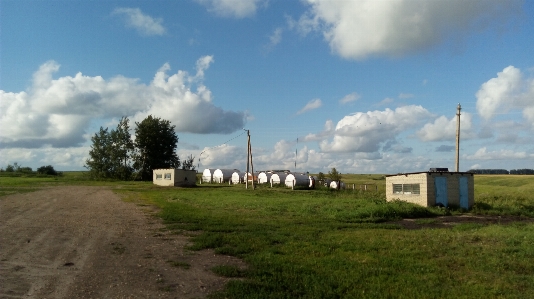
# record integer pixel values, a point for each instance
(331, 244)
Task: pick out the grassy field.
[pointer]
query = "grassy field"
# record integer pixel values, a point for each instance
(332, 244)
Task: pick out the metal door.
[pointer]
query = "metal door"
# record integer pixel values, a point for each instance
(464, 193)
(440, 184)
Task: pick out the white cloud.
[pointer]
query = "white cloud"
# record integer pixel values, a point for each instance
(352, 97)
(365, 132)
(311, 105)
(405, 95)
(233, 8)
(503, 154)
(144, 24)
(508, 91)
(58, 111)
(443, 129)
(358, 29)
(276, 37)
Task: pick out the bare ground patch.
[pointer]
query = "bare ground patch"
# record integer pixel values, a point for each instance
(85, 242)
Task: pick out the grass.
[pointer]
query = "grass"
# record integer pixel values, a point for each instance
(330, 244)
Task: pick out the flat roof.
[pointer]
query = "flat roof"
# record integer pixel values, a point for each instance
(429, 172)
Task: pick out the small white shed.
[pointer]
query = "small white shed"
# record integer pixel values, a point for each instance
(174, 177)
(207, 175)
(223, 175)
(299, 180)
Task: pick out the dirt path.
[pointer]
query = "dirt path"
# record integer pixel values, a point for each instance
(84, 242)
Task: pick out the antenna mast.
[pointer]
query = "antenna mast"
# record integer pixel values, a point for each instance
(458, 137)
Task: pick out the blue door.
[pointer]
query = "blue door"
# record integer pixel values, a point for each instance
(464, 193)
(440, 184)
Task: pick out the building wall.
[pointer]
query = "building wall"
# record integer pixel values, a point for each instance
(418, 178)
(174, 177)
(426, 181)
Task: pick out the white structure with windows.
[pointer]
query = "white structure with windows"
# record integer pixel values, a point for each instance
(174, 177)
(432, 188)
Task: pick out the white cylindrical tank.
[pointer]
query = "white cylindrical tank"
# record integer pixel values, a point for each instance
(238, 177)
(295, 179)
(264, 177)
(337, 185)
(223, 175)
(207, 175)
(277, 178)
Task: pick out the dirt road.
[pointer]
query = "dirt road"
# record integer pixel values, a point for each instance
(84, 242)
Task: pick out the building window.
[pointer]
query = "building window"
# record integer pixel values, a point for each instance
(406, 189)
(168, 176)
(158, 176)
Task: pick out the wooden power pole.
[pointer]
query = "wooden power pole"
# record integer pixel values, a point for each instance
(458, 137)
(249, 161)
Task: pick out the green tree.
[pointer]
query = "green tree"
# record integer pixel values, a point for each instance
(111, 152)
(100, 161)
(334, 175)
(155, 142)
(189, 163)
(49, 170)
(321, 177)
(122, 149)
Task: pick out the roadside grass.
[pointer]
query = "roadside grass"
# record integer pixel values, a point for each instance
(342, 244)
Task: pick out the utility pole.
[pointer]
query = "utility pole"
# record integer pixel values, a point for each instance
(249, 160)
(458, 137)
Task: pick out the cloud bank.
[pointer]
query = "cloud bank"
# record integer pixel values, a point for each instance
(358, 29)
(57, 112)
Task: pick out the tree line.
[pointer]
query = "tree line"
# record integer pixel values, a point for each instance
(19, 169)
(114, 155)
(501, 171)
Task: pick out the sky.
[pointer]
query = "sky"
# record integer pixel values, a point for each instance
(364, 86)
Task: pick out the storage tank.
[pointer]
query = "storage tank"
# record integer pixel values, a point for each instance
(223, 175)
(238, 177)
(277, 178)
(264, 177)
(337, 185)
(207, 175)
(298, 180)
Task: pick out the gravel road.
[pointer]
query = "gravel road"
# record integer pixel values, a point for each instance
(85, 242)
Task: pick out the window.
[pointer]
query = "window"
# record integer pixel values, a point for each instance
(168, 176)
(406, 189)
(158, 176)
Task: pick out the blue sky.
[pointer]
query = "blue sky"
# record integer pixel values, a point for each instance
(364, 86)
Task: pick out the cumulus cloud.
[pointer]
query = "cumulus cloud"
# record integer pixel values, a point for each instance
(58, 112)
(144, 24)
(445, 129)
(508, 91)
(503, 154)
(358, 29)
(365, 132)
(352, 97)
(311, 105)
(233, 8)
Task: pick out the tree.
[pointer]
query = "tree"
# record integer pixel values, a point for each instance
(122, 149)
(334, 175)
(111, 153)
(155, 142)
(189, 163)
(99, 163)
(49, 170)
(321, 177)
